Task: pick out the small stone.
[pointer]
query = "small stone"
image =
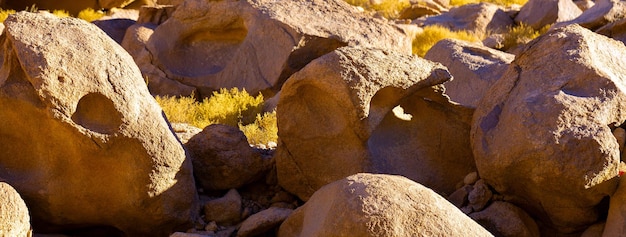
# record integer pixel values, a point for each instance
(479, 196)
(471, 178)
(263, 221)
(225, 210)
(460, 197)
(212, 226)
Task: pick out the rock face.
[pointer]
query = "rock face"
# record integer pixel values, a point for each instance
(14, 218)
(505, 219)
(82, 140)
(539, 13)
(258, 44)
(368, 110)
(480, 18)
(223, 159)
(543, 137)
(475, 68)
(378, 205)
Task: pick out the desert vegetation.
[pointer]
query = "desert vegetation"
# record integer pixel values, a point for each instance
(387, 8)
(232, 107)
(499, 2)
(433, 34)
(88, 14)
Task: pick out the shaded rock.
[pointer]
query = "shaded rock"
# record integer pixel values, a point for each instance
(263, 221)
(474, 67)
(584, 4)
(114, 28)
(616, 220)
(594, 230)
(83, 141)
(368, 110)
(155, 14)
(183, 234)
(258, 44)
(480, 18)
(540, 13)
(602, 13)
(378, 205)
(480, 196)
(422, 8)
(14, 218)
(223, 159)
(494, 41)
(615, 30)
(470, 178)
(505, 219)
(459, 198)
(225, 210)
(534, 139)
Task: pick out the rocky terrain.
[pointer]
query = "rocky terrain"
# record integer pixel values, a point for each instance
(469, 140)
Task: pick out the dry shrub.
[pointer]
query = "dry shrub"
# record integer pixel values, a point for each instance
(90, 15)
(4, 13)
(499, 2)
(434, 33)
(521, 34)
(388, 8)
(61, 13)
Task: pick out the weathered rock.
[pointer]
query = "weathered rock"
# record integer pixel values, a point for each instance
(615, 30)
(155, 14)
(225, 210)
(263, 221)
(368, 110)
(480, 196)
(184, 131)
(505, 219)
(594, 231)
(422, 8)
(474, 67)
(543, 137)
(480, 18)
(83, 141)
(223, 159)
(584, 4)
(378, 205)
(258, 44)
(470, 178)
(14, 218)
(602, 13)
(459, 198)
(540, 13)
(616, 221)
(114, 28)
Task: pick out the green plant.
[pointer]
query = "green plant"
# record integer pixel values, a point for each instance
(232, 107)
(4, 13)
(499, 2)
(61, 13)
(90, 15)
(434, 33)
(387, 8)
(521, 34)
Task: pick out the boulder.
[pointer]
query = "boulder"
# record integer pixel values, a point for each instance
(369, 110)
(540, 13)
(114, 28)
(602, 13)
(507, 220)
(543, 137)
(14, 218)
(258, 44)
(84, 142)
(474, 67)
(479, 18)
(223, 159)
(263, 221)
(616, 220)
(378, 205)
(184, 131)
(422, 8)
(615, 30)
(225, 210)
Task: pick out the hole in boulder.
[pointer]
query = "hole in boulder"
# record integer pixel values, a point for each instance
(97, 113)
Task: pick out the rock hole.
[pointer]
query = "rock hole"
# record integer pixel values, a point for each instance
(97, 113)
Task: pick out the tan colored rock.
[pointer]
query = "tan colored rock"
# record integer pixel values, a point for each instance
(225, 210)
(534, 138)
(14, 218)
(258, 44)
(616, 220)
(223, 159)
(422, 8)
(378, 205)
(601, 14)
(470, 178)
(73, 6)
(480, 18)
(480, 196)
(83, 141)
(475, 68)
(540, 13)
(263, 221)
(615, 30)
(369, 110)
(155, 14)
(507, 220)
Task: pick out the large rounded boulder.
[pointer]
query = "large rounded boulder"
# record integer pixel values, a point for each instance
(83, 141)
(543, 137)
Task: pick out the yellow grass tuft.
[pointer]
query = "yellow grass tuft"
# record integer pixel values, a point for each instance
(61, 13)
(434, 33)
(4, 13)
(90, 15)
(521, 34)
(388, 8)
(232, 107)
